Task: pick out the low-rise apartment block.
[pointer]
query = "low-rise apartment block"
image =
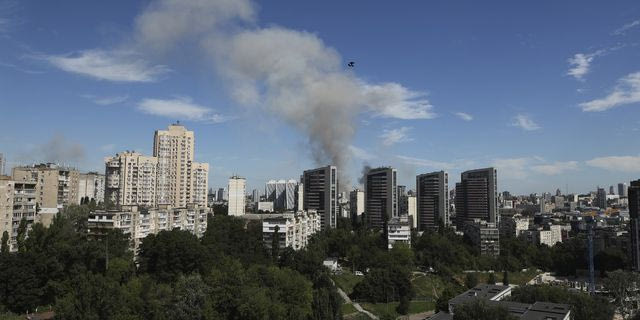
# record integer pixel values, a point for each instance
(139, 222)
(293, 229)
(398, 231)
(485, 236)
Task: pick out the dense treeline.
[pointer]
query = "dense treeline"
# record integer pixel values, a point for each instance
(228, 274)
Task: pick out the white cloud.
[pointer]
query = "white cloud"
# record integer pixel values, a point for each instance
(393, 136)
(556, 167)
(106, 101)
(580, 64)
(392, 100)
(118, 66)
(525, 122)
(512, 168)
(180, 109)
(361, 154)
(626, 27)
(627, 91)
(427, 163)
(464, 116)
(617, 163)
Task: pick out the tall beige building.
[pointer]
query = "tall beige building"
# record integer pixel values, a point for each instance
(180, 179)
(130, 179)
(237, 192)
(56, 186)
(17, 201)
(91, 186)
(169, 177)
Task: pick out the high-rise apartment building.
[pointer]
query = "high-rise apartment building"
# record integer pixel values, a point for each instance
(91, 186)
(282, 193)
(180, 180)
(622, 189)
(601, 198)
(3, 164)
(17, 201)
(432, 197)
(169, 177)
(56, 186)
(477, 197)
(130, 179)
(237, 194)
(321, 194)
(381, 198)
(356, 203)
(634, 223)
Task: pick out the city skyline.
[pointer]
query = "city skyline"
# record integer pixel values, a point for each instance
(444, 92)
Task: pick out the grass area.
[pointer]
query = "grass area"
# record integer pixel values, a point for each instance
(346, 281)
(428, 286)
(381, 309)
(518, 278)
(348, 309)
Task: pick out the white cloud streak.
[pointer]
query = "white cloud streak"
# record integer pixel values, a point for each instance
(627, 91)
(394, 136)
(464, 116)
(555, 168)
(419, 162)
(106, 101)
(580, 64)
(361, 154)
(617, 163)
(117, 66)
(524, 122)
(622, 30)
(181, 108)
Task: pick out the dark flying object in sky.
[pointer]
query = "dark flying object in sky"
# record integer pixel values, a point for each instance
(351, 64)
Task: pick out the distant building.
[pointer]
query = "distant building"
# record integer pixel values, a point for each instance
(398, 231)
(91, 186)
(255, 196)
(432, 200)
(485, 236)
(634, 223)
(381, 199)
(282, 193)
(611, 191)
(56, 186)
(601, 198)
(139, 222)
(3, 164)
(549, 236)
(356, 203)
(412, 211)
(477, 197)
(237, 195)
(222, 195)
(511, 227)
(622, 189)
(265, 206)
(293, 229)
(321, 194)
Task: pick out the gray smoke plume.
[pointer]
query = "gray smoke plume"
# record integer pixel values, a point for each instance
(363, 173)
(291, 74)
(57, 150)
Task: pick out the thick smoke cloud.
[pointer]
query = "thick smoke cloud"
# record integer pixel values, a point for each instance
(57, 150)
(292, 74)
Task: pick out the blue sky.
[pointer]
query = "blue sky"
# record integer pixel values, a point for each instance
(546, 91)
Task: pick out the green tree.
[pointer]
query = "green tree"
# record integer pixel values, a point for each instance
(442, 303)
(471, 280)
(505, 278)
(22, 235)
(479, 310)
(623, 285)
(170, 253)
(275, 243)
(5, 243)
(492, 278)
